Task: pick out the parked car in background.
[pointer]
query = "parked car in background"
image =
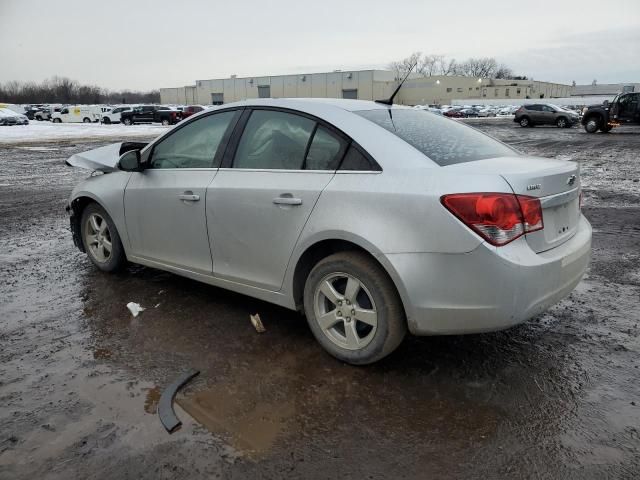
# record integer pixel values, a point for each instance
(453, 113)
(151, 114)
(465, 245)
(545, 114)
(10, 117)
(77, 114)
(114, 115)
(191, 109)
(469, 112)
(46, 112)
(487, 112)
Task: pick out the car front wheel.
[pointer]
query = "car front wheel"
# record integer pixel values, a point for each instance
(592, 125)
(100, 239)
(353, 308)
(562, 122)
(127, 121)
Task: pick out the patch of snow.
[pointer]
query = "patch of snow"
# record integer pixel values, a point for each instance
(48, 131)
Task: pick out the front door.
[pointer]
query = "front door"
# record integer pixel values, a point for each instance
(257, 209)
(165, 203)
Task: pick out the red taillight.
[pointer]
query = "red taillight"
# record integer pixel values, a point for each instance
(499, 218)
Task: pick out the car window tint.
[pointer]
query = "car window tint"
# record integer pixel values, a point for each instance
(355, 160)
(273, 140)
(443, 140)
(194, 145)
(325, 151)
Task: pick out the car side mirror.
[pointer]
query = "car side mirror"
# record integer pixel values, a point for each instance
(605, 104)
(130, 161)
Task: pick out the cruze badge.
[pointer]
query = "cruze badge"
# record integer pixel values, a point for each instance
(571, 180)
(536, 186)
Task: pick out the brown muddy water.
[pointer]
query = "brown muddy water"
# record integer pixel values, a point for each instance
(80, 379)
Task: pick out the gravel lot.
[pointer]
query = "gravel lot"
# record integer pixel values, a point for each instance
(558, 397)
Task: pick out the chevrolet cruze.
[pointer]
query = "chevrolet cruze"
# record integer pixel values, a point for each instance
(372, 219)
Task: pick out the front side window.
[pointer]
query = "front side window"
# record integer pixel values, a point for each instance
(442, 140)
(194, 145)
(274, 140)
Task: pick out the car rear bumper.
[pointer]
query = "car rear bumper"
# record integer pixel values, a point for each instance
(489, 288)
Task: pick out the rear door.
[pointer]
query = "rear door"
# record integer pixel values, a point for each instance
(535, 112)
(258, 204)
(165, 203)
(548, 114)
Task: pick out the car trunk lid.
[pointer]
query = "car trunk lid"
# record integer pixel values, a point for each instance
(556, 183)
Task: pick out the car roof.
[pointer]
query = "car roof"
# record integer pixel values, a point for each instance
(304, 104)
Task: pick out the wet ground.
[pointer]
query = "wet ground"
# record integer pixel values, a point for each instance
(558, 397)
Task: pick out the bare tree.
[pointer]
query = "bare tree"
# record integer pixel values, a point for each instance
(401, 68)
(430, 64)
(448, 67)
(504, 72)
(66, 91)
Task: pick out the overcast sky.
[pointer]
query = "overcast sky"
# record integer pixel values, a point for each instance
(147, 44)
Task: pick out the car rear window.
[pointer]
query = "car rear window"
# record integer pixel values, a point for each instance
(443, 140)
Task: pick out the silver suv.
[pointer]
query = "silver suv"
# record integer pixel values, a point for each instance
(545, 114)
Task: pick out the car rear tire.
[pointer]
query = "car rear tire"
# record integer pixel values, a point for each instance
(562, 122)
(106, 120)
(525, 122)
(101, 240)
(86, 120)
(353, 308)
(166, 122)
(57, 120)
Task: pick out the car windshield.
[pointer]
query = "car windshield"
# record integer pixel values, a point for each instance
(444, 141)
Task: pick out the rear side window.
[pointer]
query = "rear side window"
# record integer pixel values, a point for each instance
(355, 160)
(325, 151)
(194, 145)
(535, 108)
(274, 140)
(443, 140)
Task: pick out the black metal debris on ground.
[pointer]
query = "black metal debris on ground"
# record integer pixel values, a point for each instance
(165, 407)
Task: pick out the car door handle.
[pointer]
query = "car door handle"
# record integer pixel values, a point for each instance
(189, 197)
(287, 201)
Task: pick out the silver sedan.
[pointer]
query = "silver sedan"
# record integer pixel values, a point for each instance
(373, 219)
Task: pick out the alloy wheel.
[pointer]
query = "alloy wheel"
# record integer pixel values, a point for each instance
(345, 311)
(98, 238)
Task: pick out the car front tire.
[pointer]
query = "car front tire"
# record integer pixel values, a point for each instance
(101, 240)
(353, 308)
(592, 125)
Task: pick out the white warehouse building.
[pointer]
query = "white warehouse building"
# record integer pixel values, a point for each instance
(360, 84)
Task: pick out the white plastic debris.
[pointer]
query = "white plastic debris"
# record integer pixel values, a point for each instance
(135, 308)
(257, 323)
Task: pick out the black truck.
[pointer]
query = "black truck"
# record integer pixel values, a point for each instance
(151, 114)
(624, 109)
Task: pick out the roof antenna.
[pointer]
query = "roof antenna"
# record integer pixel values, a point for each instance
(389, 101)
